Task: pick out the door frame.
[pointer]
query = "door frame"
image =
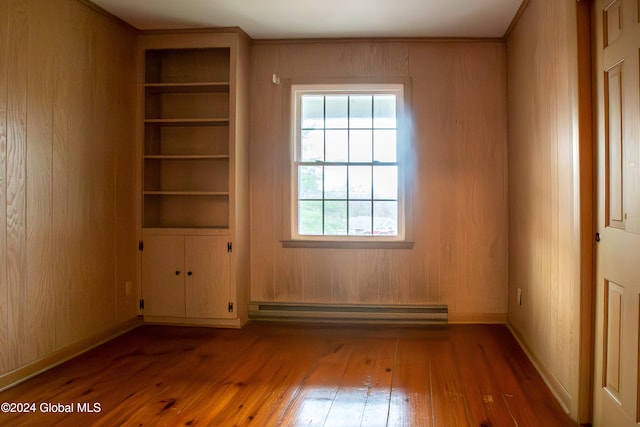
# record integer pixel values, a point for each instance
(588, 209)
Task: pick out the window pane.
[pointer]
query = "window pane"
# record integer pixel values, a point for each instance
(360, 182)
(347, 161)
(310, 217)
(360, 111)
(385, 218)
(337, 146)
(360, 217)
(384, 146)
(310, 182)
(312, 145)
(385, 182)
(337, 112)
(384, 111)
(360, 146)
(335, 182)
(335, 218)
(312, 112)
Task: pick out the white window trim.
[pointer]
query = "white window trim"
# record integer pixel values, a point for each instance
(398, 241)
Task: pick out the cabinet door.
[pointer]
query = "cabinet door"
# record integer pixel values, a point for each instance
(163, 276)
(207, 280)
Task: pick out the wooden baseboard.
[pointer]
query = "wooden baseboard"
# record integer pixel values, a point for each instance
(59, 356)
(477, 318)
(561, 394)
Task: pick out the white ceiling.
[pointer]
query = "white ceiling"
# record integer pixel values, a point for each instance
(269, 19)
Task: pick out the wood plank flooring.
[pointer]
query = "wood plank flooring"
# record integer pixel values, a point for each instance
(274, 374)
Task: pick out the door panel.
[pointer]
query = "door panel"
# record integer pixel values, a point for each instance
(613, 125)
(617, 53)
(207, 287)
(612, 338)
(612, 22)
(163, 275)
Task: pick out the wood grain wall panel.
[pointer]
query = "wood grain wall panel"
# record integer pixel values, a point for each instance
(86, 150)
(16, 180)
(39, 294)
(73, 178)
(62, 165)
(69, 152)
(4, 288)
(119, 53)
(544, 191)
(457, 185)
(454, 180)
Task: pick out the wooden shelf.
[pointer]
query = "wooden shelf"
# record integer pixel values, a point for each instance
(187, 193)
(186, 151)
(184, 65)
(200, 231)
(192, 122)
(186, 156)
(198, 87)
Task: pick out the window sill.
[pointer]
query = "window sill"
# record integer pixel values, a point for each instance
(334, 244)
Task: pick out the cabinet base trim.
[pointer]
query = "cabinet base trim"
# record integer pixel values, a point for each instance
(190, 321)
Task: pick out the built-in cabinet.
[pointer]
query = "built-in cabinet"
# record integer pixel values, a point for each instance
(194, 195)
(187, 276)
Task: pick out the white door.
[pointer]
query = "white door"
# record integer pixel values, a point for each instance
(616, 382)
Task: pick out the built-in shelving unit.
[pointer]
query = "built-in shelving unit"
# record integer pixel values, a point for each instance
(194, 195)
(186, 127)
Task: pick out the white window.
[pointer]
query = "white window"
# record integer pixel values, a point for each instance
(346, 167)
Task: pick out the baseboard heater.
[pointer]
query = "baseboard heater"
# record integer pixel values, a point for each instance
(352, 313)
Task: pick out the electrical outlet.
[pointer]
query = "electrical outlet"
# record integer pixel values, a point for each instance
(519, 296)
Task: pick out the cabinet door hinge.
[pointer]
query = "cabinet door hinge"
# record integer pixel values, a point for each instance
(230, 307)
(140, 245)
(229, 247)
(141, 304)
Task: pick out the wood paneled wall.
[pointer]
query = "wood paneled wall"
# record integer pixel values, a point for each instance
(67, 156)
(458, 179)
(544, 191)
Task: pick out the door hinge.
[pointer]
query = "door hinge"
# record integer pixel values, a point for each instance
(140, 245)
(141, 304)
(230, 307)
(229, 247)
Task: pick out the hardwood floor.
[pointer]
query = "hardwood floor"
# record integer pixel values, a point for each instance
(272, 374)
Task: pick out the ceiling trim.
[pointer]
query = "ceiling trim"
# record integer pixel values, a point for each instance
(208, 30)
(378, 39)
(516, 18)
